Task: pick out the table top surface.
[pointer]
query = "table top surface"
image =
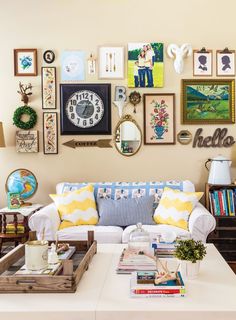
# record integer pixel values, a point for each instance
(102, 294)
(25, 211)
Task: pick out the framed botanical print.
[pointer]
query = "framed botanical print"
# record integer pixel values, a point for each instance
(225, 63)
(111, 63)
(202, 62)
(85, 109)
(25, 62)
(72, 66)
(48, 87)
(50, 133)
(208, 101)
(159, 118)
(145, 65)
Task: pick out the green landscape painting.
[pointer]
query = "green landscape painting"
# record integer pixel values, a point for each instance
(207, 102)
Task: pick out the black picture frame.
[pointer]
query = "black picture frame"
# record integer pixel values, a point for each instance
(49, 56)
(104, 126)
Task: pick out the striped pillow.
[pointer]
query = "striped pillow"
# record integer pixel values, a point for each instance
(175, 207)
(77, 207)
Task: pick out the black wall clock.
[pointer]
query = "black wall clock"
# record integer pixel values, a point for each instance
(85, 109)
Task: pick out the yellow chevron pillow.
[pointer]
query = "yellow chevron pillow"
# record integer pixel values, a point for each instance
(77, 207)
(175, 207)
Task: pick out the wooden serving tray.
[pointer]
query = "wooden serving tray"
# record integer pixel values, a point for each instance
(65, 280)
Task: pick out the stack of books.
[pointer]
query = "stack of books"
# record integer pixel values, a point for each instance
(223, 202)
(132, 261)
(171, 288)
(164, 250)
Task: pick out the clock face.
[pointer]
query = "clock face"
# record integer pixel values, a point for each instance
(85, 109)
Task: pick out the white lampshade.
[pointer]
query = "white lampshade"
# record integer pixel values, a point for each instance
(2, 140)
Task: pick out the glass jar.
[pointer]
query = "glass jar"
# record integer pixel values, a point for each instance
(139, 239)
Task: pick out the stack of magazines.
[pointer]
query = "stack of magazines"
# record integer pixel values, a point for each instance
(165, 250)
(132, 261)
(147, 289)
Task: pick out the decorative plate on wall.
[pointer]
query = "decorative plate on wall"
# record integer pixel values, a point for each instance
(85, 109)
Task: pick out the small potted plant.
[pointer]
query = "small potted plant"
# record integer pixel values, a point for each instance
(190, 253)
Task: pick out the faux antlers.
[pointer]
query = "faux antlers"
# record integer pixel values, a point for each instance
(178, 54)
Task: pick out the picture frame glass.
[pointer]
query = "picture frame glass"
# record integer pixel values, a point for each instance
(49, 88)
(145, 65)
(72, 66)
(202, 63)
(50, 133)
(25, 62)
(225, 63)
(111, 62)
(208, 101)
(159, 118)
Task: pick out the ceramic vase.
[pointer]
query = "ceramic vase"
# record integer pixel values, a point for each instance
(189, 270)
(159, 131)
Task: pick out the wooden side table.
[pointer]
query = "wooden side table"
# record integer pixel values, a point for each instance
(13, 214)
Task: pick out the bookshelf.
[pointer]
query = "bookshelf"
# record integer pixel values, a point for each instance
(224, 235)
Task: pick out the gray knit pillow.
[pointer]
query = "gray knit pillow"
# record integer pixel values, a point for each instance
(125, 212)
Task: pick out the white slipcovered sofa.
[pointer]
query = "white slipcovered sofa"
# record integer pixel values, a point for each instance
(47, 220)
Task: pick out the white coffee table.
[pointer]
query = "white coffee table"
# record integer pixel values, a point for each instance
(103, 295)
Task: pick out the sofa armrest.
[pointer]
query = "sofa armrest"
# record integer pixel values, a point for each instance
(201, 223)
(45, 221)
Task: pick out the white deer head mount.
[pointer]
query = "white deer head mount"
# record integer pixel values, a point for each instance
(178, 54)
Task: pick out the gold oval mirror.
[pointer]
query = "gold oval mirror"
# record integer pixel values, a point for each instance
(128, 136)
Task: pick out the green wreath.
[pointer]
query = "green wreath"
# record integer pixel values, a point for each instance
(22, 124)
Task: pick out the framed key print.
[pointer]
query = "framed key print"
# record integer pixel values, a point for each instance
(48, 87)
(85, 109)
(50, 133)
(159, 118)
(25, 62)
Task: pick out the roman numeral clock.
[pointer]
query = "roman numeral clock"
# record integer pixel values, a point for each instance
(85, 109)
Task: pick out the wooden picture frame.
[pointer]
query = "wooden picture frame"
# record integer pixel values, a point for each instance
(25, 62)
(50, 133)
(202, 63)
(111, 62)
(208, 101)
(49, 87)
(27, 141)
(159, 118)
(225, 63)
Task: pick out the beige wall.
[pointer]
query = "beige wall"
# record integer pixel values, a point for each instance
(84, 25)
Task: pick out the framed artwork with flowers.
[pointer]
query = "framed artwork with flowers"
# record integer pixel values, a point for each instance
(25, 62)
(159, 118)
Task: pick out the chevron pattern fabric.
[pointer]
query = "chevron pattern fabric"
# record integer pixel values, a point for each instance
(77, 207)
(175, 207)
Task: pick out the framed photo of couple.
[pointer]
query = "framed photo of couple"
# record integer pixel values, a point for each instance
(145, 65)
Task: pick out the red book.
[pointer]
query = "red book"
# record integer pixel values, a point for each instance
(220, 196)
(156, 291)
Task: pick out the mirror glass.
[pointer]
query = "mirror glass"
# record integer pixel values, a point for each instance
(184, 137)
(128, 136)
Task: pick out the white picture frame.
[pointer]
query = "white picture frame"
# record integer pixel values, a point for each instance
(202, 63)
(225, 63)
(111, 61)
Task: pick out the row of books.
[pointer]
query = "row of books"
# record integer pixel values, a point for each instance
(171, 288)
(223, 202)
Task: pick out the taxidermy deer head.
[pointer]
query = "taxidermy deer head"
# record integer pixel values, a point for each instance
(178, 54)
(23, 92)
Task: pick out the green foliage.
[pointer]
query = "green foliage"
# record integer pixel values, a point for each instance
(211, 110)
(25, 125)
(190, 250)
(158, 50)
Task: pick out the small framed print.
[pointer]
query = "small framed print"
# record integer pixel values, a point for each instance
(159, 118)
(202, 62)
(48, 87)
(225, 63)
(111, 63)
(27, 141)
(48, 56)
(50, 133)
(25, 62)
(72, 66)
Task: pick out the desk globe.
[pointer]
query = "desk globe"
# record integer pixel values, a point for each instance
(22, 181)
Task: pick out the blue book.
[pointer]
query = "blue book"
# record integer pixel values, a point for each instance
(217, 203)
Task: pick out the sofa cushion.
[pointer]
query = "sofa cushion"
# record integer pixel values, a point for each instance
(119, 190)
(102, 234)
(77, 207)
(156, 230)
(175, 207)
(125, 212)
